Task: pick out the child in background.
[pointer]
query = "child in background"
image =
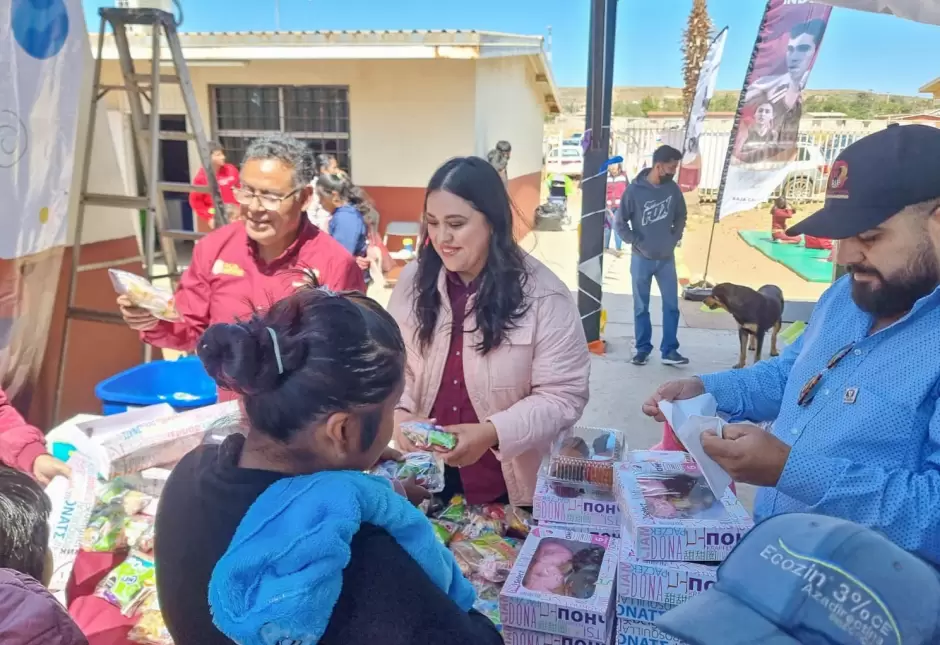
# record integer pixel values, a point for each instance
(780, 213)
(616, 186)
(29, 615)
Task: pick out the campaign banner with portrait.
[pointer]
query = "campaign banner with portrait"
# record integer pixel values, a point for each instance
(765, 137)
(690, 172)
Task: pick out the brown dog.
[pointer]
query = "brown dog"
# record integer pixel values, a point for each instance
(754, 311)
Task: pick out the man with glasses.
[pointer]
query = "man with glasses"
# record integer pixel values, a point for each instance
(854, 401)
(272, 250)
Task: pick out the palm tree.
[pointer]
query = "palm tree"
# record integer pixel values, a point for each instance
(696, 40)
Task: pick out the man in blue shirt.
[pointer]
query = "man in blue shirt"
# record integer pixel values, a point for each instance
(854, 401)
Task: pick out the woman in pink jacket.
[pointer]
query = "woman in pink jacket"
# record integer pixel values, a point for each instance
(23, 446)
(496, 351)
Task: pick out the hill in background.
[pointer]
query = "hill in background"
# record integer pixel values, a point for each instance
(638, 101)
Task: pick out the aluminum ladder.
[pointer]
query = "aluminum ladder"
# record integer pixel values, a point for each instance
(146, 137)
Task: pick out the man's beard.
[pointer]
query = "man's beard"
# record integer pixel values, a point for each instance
(895, 296)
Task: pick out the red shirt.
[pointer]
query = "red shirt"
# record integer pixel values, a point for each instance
(780, 217)
(227, 280)
(202, 202)
(20, 443)
(483, 481)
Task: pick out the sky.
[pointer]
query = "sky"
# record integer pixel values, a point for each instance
(861, 51)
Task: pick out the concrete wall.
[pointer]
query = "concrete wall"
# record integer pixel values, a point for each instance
(508, 107)
(406, 117)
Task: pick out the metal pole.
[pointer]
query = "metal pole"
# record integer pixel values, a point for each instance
(593, 189)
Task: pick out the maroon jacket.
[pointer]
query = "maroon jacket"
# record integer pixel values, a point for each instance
(20, 443)
(29, 615)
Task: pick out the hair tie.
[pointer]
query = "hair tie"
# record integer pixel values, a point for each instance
(277, 350)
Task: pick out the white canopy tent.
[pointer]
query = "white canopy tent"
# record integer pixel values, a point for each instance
(926, 11)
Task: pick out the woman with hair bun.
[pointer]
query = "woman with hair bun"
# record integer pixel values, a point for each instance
(279, 531)
(496, 351)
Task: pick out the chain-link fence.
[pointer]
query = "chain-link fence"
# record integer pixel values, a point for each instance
(805, 181)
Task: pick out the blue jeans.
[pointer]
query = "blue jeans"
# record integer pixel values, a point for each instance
(617, 241)
(643, 270)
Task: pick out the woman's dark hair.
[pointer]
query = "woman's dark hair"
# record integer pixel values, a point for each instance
(323, 162)
(781, 202)
(24, 523)
(342, 185)
(339, 352)
(501, 296)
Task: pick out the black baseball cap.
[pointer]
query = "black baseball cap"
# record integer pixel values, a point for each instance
(874, 179)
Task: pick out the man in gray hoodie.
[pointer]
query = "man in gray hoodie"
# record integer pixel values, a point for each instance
(651, 218)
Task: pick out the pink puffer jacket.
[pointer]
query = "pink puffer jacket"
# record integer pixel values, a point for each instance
(29, 615)
(531, 388)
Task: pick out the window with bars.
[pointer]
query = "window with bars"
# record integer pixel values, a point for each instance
(317, 115)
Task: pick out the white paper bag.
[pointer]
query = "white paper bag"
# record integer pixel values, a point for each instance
(689, 419)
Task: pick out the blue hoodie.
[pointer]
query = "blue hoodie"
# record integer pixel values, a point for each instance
(651, 217)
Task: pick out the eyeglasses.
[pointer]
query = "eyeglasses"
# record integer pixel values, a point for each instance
(268, 202)
(809, 390)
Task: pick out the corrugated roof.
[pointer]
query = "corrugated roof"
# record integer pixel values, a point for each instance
(337, 45)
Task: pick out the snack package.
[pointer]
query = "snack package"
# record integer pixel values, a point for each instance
(72, 501)
(423, 466)
(138, 532)
(456, 511)
(105, 530)
(483, 520)
(584, 460)
(518, 522)
(143, 294)
(150, 628)
(425, 436)
(129, 583)
(489, 558)
(444, 530)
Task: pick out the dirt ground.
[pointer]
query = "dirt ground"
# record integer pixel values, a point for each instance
(732, 260)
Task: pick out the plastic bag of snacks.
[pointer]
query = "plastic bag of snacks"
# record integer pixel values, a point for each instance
(518, 521)
(456, 511)
(482, 520)
(489, 557)
(143, 294)
(129, 584)
(138, 531)
(150, 628)
(105, 530)
(444, 530)
(423, 466)
(425, 436)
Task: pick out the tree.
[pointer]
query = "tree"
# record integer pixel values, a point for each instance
(649, 104)
(695, 42)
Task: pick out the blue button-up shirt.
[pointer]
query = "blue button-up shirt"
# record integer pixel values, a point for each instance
(867, 448)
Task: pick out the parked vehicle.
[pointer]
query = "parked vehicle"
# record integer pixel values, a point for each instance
(807, 174)
(567, 160)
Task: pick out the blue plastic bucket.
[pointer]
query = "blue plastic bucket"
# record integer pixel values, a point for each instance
(182, 384)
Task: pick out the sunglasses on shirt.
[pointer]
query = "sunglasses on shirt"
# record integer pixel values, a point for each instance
(808, 393)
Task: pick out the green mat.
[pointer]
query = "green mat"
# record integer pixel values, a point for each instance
(809, 264)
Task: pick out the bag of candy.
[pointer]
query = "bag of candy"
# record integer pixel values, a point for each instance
(423, 466)
(425, 436)
(444, 530)
(150, 628)
(485, 520)
(489, 557)
(138, 531)
(143, 294)
(518, 521)
(456, 511)
(105, 530)
(129, 583)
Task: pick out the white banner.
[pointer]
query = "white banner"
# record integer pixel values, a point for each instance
(926, 11)
(765, 140)
(690, 173)
(42, 66)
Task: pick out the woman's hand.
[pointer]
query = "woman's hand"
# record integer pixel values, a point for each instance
(47, 467)
(136, 318)
(473, 440)
(363, 262)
